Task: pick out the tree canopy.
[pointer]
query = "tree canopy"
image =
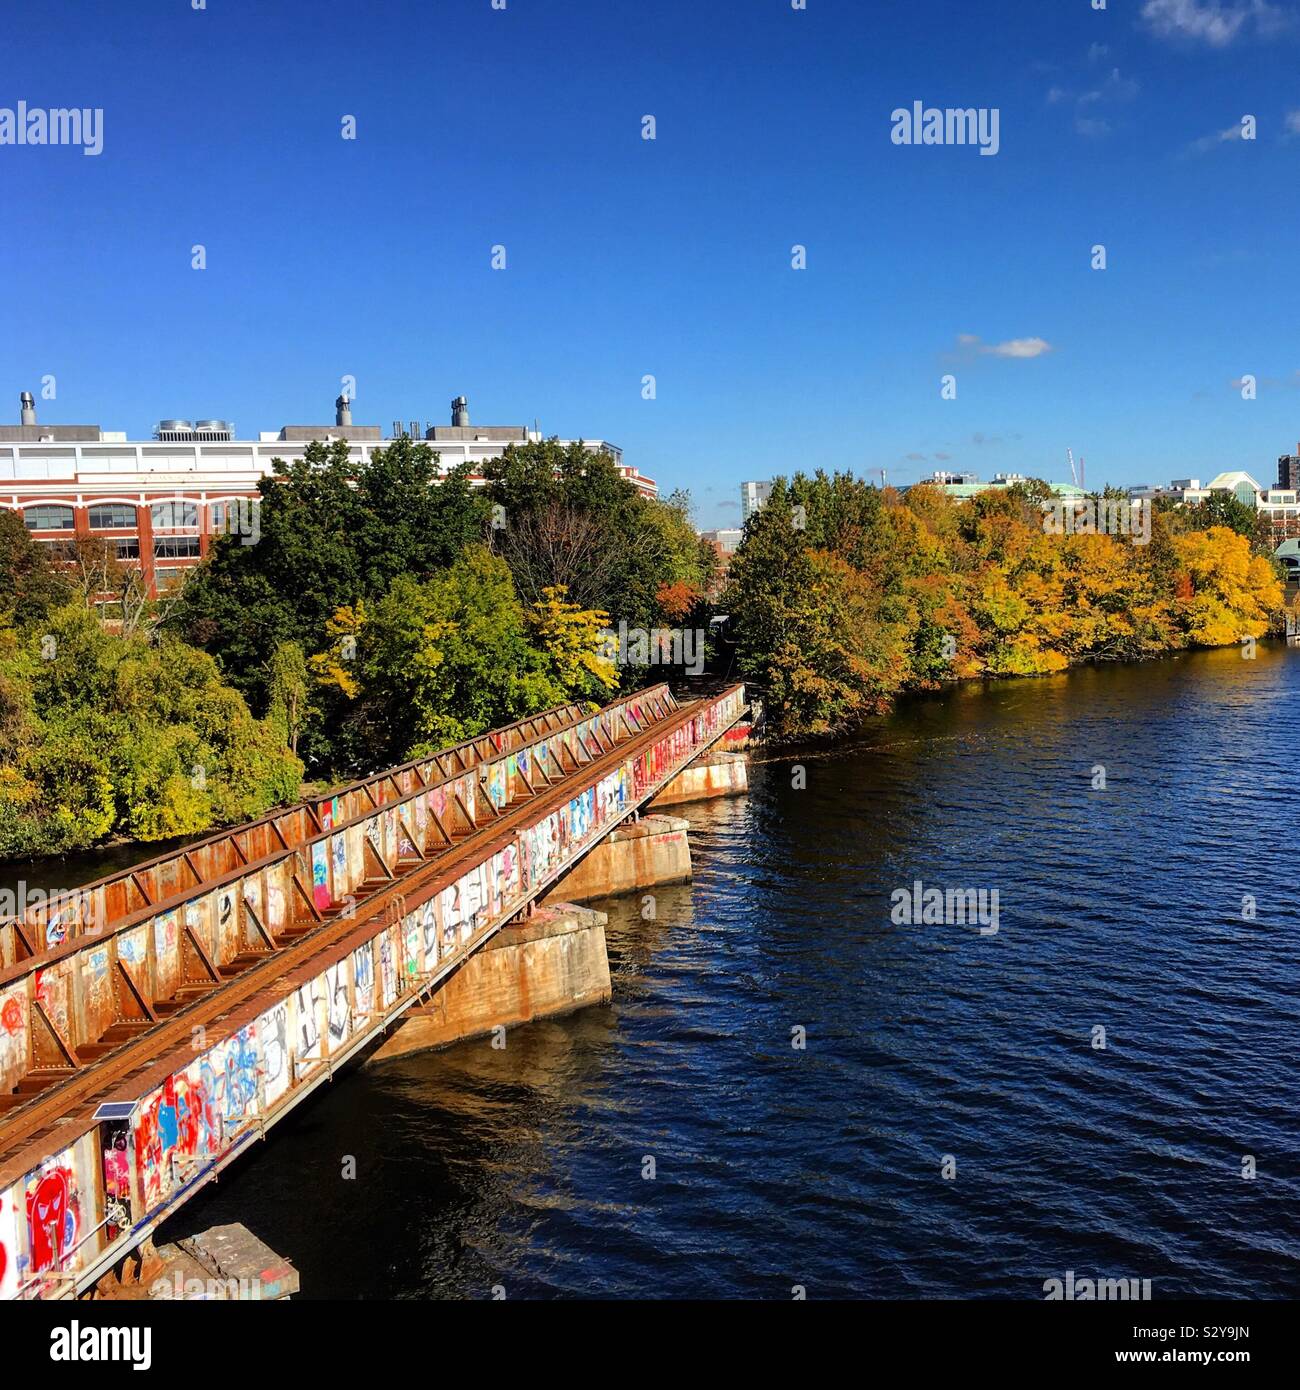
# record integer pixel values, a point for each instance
(843, 594)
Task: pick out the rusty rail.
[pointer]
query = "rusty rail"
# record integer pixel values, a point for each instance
(101, 904)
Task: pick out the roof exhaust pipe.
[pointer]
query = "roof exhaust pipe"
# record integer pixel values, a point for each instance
(343, 411)
(460, 412)
(28, 403)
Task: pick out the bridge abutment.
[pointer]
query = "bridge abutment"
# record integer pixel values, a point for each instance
(718, 773)
(639, 854)
(551, 963)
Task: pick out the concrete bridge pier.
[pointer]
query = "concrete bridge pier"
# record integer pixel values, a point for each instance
(554, 961)
(550, 963)
(720, 772)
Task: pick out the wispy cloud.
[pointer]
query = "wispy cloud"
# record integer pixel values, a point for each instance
(1291, 125)
(1215, 22)
(1114, 88)
(1013, 347)
(1212, 142)
(1113, 91)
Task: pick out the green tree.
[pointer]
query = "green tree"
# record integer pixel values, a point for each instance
(1223, 509)
(566, 517)
(332, 533)
(29, 586)
(110, 735)
(446, 658)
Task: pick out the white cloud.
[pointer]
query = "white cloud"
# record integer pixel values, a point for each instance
(1013, 347)
(1291, 123)
(1097, 51)
(1018, 347)
(1212, 142)
(1214, 22)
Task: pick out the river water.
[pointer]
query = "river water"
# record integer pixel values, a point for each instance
(775, 1166)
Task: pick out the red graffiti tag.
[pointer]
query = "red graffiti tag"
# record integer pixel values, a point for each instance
(47, 1209)
(11, 1016)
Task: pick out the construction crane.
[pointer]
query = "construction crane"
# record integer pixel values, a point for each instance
(1075, 476)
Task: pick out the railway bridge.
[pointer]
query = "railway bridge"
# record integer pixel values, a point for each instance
(157, 1022)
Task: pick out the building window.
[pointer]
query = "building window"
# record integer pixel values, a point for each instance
(176, 547)
(59, 550)
(126, 547)
(50, 518)
(112, 515)
(174, 516)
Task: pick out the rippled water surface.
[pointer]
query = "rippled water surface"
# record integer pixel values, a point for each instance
(1120, 909)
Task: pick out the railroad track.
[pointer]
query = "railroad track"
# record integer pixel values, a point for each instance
(56, 1105)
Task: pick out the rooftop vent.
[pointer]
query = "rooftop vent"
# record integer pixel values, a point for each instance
(184, 432)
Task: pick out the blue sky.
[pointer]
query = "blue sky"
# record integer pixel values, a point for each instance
(672, 257)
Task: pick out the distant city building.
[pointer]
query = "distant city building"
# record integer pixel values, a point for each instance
(963, 486)
(1278, 505)
(725, 541)
(752, 497)
(1289, 553)
(1288, 470)
(157, 502)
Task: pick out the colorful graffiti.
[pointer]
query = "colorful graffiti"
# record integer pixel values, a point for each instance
(150, 1125)
(9, 1249)
(238, 1070)
(13, 1037)
(117, 1180)
(411, 946)
(53, 1213)
(320, 874)
(194, 1115)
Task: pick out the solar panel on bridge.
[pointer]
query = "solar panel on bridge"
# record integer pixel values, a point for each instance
(115, 1110)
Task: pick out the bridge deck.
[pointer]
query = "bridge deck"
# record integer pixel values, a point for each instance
(204, 1037)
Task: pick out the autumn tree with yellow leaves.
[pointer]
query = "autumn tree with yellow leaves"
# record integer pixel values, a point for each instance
(844, 595)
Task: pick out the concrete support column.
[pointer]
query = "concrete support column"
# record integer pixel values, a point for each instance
(550, 963)
(717, 773)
